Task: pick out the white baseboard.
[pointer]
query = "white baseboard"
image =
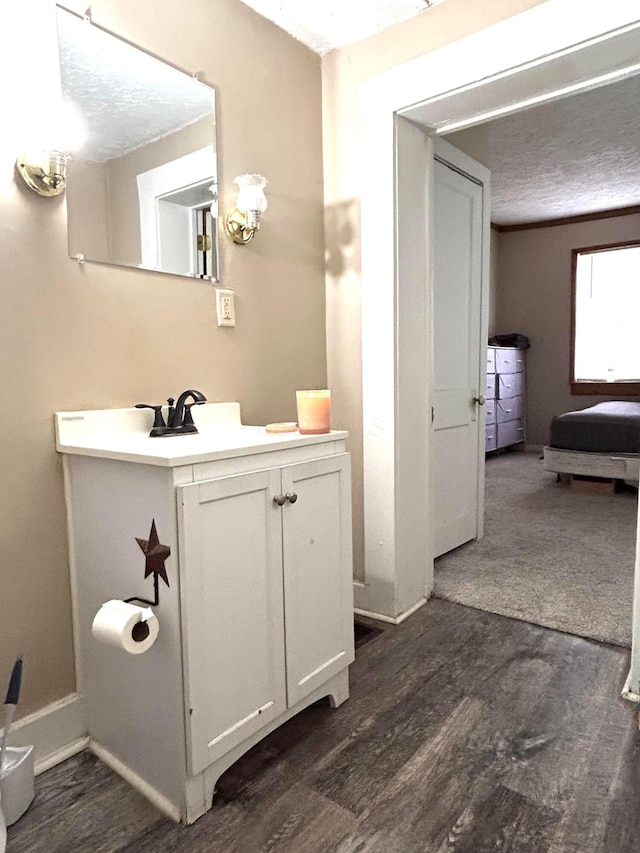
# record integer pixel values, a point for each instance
(57, 732)
(628, 692)
(392, 620)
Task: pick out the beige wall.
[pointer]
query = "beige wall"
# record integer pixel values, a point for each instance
(534, 297)
(474, 141)
(342, 71)
(88, 215)
(95, 336)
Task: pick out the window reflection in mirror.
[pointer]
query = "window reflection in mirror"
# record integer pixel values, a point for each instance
(142, 187)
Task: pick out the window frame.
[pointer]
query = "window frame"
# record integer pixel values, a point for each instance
(619, 387)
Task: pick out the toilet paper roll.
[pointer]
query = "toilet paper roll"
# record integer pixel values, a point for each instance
(126, 626)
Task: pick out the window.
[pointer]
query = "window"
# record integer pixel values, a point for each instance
(606, 320)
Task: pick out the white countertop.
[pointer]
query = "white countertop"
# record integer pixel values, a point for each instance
(123, 434)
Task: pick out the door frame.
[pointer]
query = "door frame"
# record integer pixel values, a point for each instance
(496, 71)
(155, 188)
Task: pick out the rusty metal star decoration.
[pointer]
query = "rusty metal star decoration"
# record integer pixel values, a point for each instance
(155, 554)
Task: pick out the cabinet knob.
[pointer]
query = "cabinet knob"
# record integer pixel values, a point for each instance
(279, 499)
(480, 399)
(292, 497)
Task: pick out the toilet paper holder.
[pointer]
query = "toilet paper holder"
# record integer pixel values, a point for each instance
(155, 555)
(156, 595)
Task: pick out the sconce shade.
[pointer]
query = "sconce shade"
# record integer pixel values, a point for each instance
(243, 222)
(53, 131)
(251, 195)
(45, 172)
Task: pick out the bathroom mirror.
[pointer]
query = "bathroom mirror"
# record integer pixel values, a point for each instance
(142, 183)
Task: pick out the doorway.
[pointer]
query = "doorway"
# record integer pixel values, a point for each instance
(494, 71)
(551, 549)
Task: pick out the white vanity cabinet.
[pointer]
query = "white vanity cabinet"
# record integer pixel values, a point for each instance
(267, 614)
(258, 620)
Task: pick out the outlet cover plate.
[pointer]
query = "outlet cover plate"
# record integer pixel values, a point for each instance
(225, 307)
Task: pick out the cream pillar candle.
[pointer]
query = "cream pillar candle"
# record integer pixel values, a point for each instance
(314, 412)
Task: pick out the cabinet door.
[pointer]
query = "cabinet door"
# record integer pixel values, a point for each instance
(318, 579)
(231, 591)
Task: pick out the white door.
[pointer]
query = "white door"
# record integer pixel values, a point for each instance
(318, 578)
(460, 241)
(231, 591)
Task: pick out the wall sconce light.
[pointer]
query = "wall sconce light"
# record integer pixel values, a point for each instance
(244, 220)
(43, 165)
(45, 172)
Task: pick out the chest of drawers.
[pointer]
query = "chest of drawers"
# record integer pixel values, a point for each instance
(505, 415)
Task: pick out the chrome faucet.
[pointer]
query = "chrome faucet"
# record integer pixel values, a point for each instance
(179, 417)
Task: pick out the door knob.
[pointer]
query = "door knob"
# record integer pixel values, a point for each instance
(480, 399)
(292, 497)
(279, 499)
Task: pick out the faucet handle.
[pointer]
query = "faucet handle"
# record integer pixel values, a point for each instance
(158, 420)
(170, 411)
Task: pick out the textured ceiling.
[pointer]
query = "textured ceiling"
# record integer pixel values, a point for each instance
(324, 25)
(125, 97)
(573, 156)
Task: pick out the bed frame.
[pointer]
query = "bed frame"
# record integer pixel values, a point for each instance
(612, 466)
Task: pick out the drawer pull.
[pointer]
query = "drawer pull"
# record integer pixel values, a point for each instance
(292, 497)
(279, 499)
(480, 399)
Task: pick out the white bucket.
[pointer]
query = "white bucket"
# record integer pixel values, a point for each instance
(16, 782)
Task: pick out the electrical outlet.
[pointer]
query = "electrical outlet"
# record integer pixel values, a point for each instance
(225, 307)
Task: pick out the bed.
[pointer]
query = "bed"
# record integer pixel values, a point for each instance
(601, 441)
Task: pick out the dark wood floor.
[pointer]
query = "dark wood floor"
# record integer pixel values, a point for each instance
(465, 732)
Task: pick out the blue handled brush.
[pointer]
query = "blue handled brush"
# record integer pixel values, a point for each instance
(13, 696)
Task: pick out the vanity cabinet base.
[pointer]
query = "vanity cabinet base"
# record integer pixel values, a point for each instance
(200, 789)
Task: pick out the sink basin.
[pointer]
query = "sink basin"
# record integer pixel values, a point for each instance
(124, 434)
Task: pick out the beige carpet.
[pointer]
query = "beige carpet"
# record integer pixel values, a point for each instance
(549, 555)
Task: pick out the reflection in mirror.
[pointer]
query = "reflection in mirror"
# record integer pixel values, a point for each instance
(142, 188)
